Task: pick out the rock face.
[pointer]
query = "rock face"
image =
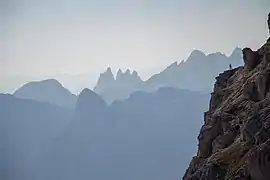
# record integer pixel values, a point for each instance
(234, 142)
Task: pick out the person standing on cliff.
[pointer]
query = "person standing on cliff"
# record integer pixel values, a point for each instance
(230, 66)
(268, 22)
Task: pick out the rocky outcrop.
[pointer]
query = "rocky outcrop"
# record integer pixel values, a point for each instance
(234, 142)
(251, 58)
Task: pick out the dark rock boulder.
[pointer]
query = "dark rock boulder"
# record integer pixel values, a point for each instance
(251, 59)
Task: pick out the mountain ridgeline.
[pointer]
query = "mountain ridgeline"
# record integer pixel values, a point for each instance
(131, 139)
(126, 129)
(50, 91)
(197, 73)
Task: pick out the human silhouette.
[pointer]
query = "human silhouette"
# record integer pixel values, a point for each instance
(268, 22)
(230, 66)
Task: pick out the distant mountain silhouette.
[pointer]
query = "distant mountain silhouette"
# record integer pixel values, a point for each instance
(121, 87)
(27, 128)
(147, 136)
(49, 90)
(197, 73)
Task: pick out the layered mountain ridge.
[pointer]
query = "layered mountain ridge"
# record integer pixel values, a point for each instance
(130, 139)
(199, 68)
(234, 142)
(49, 90)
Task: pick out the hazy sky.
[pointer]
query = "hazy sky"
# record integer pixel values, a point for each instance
(53, 38)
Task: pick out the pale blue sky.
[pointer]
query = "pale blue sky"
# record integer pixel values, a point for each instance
(49, 38)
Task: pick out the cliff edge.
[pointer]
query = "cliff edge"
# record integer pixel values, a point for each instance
(234, 142)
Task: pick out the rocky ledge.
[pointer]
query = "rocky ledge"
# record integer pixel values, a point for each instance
(234, 142)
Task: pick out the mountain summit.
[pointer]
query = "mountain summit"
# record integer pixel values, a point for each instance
(120, 88)
(50, 91)
(234, 142)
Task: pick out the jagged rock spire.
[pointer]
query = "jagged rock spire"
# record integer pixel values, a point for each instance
(134, 73)
(119, 73)
(127, 72)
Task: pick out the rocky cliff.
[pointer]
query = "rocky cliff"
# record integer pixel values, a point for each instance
(234, 142)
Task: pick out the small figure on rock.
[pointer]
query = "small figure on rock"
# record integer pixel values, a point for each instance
(230, 66)
(268, 22)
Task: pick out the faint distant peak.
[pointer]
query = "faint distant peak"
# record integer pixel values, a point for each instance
(49, 90)
(86, 93)
(44, 83)
(236, 52)
(216, 55)
(172, 66)
(181, 62)
(175, 64)
(127, 72)
(119, 73)
(89, 101)
(106, 76)
(196, 54)
(51, 81)
(134, 73)
(109, 70)
(88, 96)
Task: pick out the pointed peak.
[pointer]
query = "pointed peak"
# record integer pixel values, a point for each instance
(88, 100)
(127, 72)
(108, 73)
(181, 62)
(109, 70)
(105, 78)
(237, 49)
(135, 73)
(236, 52)
(172, 66)
(88, 95)
(85, 91)
(175, 64)
(119, 73)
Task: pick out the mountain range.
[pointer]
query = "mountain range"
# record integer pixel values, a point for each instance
(127, 139)
(126, 128)
(142, 137)
(197, 73)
